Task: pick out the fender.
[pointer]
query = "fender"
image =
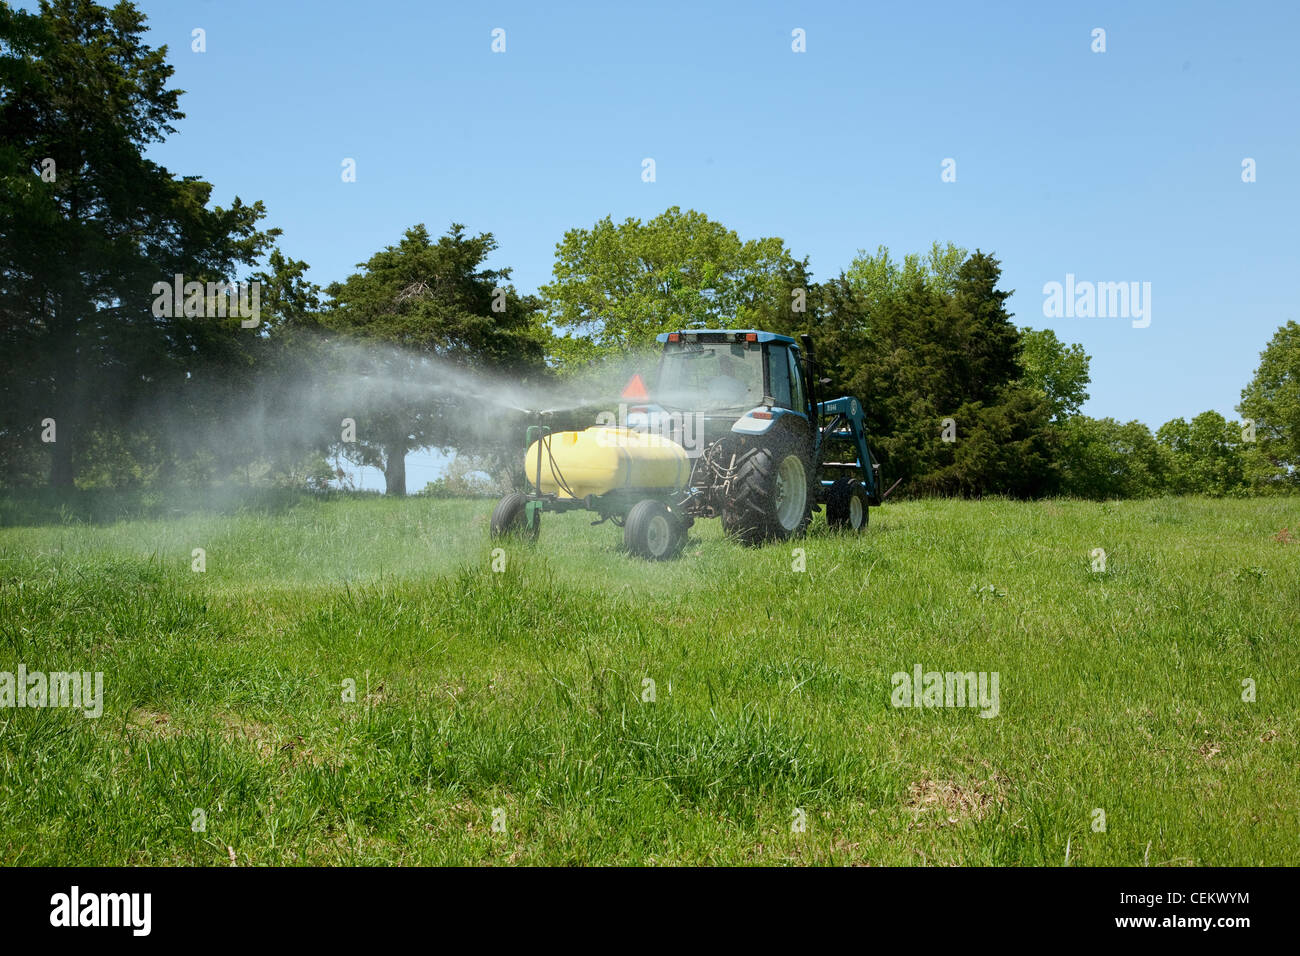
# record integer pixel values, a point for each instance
(761, 420)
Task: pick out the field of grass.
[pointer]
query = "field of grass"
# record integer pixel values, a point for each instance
(520, 696)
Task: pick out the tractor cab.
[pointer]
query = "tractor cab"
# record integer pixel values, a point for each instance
(727, 373)
(713, 382)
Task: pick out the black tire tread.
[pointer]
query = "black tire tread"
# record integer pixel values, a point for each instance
(636, 527)
(838, 497)
(509, 517)
(748, 514)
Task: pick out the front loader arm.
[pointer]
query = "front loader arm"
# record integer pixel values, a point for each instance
(846, 422)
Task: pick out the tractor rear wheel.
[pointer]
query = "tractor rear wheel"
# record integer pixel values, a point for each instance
(769, 496)
(652, 531)
(510, 518)
(846, 505)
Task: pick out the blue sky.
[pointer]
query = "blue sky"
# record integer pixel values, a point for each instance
(1115, 166)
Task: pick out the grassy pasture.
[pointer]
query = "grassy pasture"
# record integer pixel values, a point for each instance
(517, 696)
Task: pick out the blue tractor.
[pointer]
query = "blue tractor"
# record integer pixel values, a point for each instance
(734, 429)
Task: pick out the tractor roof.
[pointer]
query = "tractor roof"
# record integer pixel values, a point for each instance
(730, 334)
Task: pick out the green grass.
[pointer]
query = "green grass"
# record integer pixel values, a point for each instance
(522, 690)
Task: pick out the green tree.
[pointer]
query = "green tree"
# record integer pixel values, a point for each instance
(930, 343)
(1057, 370)
(877, 276)
(841, 316)
(616, 286)
(1207, 454)
(1272, 402)
(91, 225)
(1101, 458)
(424, 309)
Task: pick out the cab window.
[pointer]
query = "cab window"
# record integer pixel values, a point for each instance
(778, 375)
(799, 401)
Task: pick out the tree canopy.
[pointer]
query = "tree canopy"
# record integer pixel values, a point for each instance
(930, 349)
(92, 225)
(1057, 370)
(437, 307)
(1272, 401)
(617, 286)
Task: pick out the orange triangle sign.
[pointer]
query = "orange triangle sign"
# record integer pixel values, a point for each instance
(635, 389)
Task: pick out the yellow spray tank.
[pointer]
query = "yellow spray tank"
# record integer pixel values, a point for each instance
(604, 458)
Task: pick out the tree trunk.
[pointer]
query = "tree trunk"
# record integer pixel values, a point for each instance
(63, 470)
(395, 473)
(63, 464)
(65, 412)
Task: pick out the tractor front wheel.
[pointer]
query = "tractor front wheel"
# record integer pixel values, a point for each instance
(846, 505)
(769, 497)
(513, 518)
(652, 531)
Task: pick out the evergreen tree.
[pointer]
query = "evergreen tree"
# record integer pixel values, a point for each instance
(91, 225)
(423, 302)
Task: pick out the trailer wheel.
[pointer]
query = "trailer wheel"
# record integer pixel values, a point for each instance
(846, 505)
(510, 518)
(769, 496)
(652, 531)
